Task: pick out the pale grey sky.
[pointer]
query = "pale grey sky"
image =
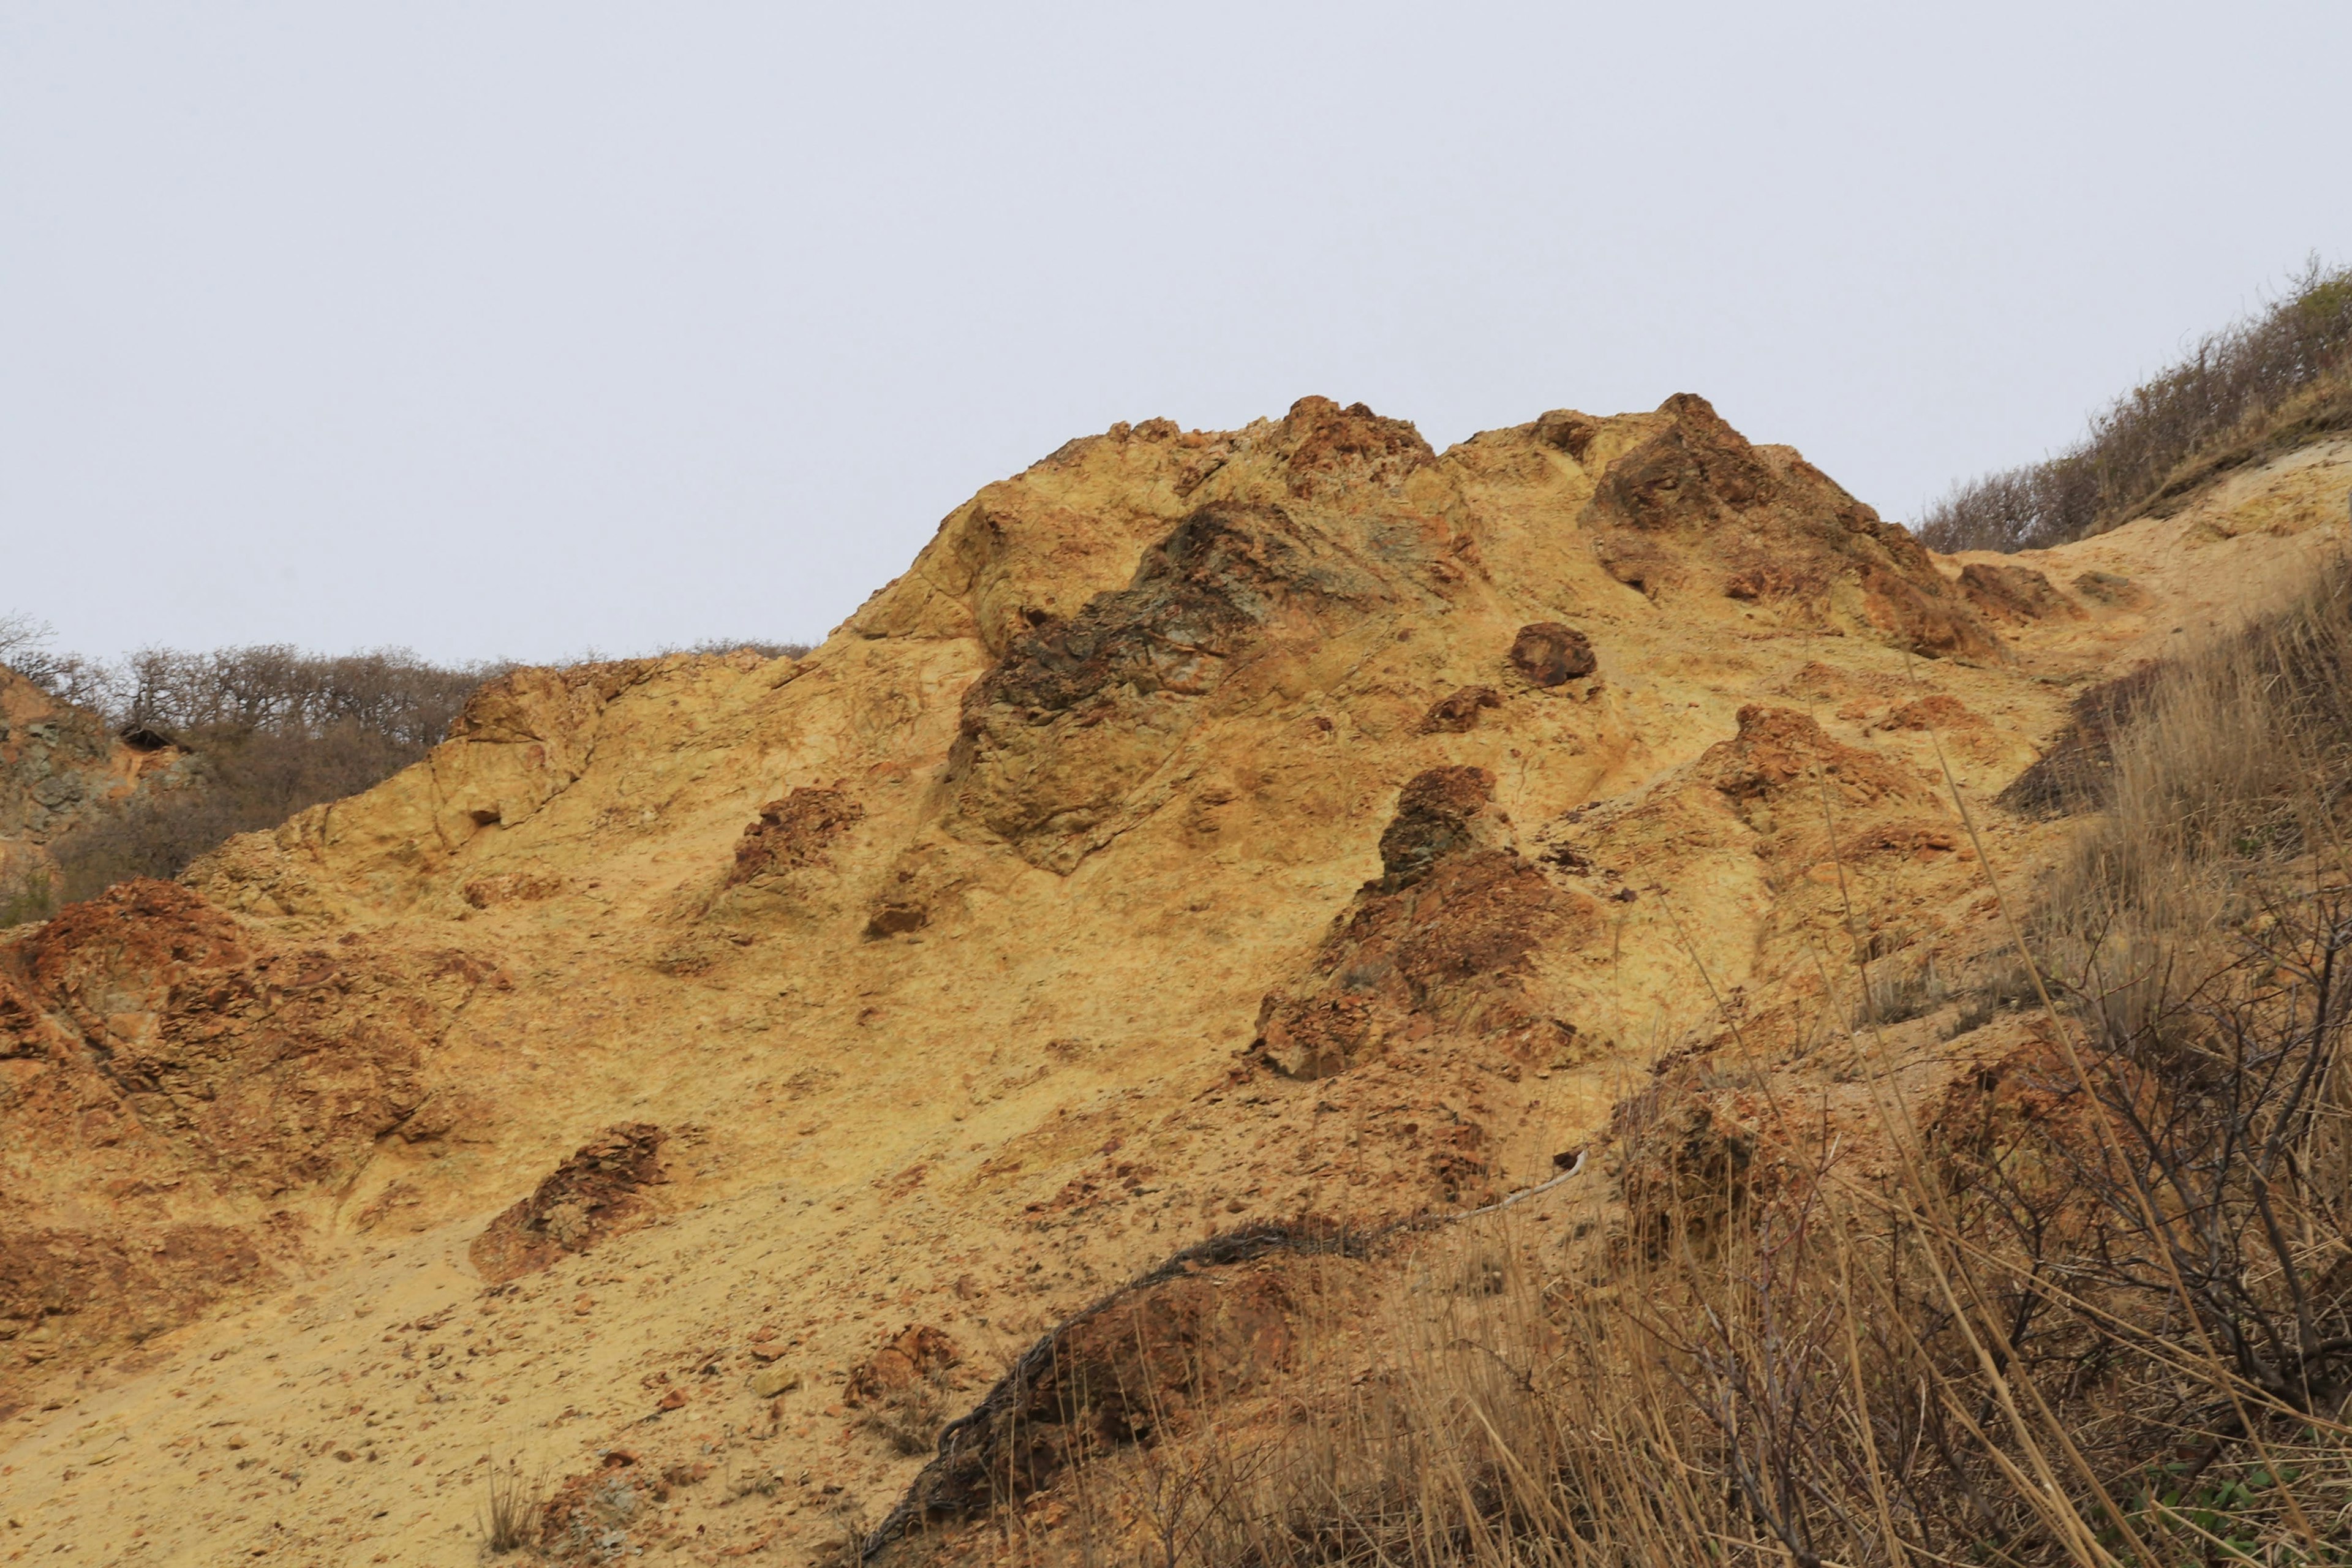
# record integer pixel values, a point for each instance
(526, 328)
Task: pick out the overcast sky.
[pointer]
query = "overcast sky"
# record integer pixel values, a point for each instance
(509, 329)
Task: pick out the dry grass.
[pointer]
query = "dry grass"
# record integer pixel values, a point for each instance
(909, 1418)
(2234, 767)
(2282, 375)
(511, 1517)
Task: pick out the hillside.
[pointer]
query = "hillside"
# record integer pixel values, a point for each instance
(695, 1065)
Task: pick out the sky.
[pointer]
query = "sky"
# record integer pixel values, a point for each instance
(523, 329)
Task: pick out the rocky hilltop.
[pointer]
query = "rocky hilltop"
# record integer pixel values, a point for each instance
(1212, 838)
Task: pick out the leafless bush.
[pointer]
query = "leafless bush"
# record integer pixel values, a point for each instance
(20, 633)
(275, 690)
(242, 780)
(729, 645)
(2290, 364)
(273, 730)
(25, 648)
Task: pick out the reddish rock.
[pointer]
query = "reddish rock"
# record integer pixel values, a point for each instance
(793, 832)
(917, 1352)
(1550, 654)
(598, 1191)
(1459, 713)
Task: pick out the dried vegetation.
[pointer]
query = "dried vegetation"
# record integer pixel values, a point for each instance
(2265, 384)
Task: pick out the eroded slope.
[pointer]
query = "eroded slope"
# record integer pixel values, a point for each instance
(1285, 825)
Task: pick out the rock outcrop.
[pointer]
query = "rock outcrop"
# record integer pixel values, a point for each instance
(61, 766)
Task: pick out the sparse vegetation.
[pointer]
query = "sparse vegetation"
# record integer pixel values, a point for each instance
(2275, 379)
(516, 1501)
(272, 730)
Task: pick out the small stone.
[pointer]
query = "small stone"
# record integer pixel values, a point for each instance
(770, 1381)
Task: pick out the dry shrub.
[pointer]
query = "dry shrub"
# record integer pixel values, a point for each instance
(909, 1415)
(243, 780)
(512, 1514)
(2280, 378)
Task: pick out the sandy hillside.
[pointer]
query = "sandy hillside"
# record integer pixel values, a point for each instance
(1291, 825)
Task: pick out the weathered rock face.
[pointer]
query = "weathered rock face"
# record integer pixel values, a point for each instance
(60, 767)
(1289, 825)
(175, 1086)
(1078, 717)
(1692, 507)
(595, 1193)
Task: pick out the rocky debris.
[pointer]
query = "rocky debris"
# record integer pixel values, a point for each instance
(915, 1355)
(1132, 1368)
(2014, 593)
(896, 918)
(1567, 431)
(1549, 654)
(597, 1192)
(65, 1291)
(1685, 1153)
(770, 1381)
(249, 1062)
(1936, 711)
(1457, 713)
(510, 888)
(1441, 811)
(793, 832)
(164, 1053)
(1641, 564)
(1334, 449)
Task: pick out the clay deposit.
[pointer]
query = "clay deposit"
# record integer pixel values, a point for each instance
(1292, 826)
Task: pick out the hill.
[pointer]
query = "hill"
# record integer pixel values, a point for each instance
(1218, 853)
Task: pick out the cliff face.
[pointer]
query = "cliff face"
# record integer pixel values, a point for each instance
(1287, 824)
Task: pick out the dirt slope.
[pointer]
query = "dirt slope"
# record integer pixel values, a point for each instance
(1292, 824)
